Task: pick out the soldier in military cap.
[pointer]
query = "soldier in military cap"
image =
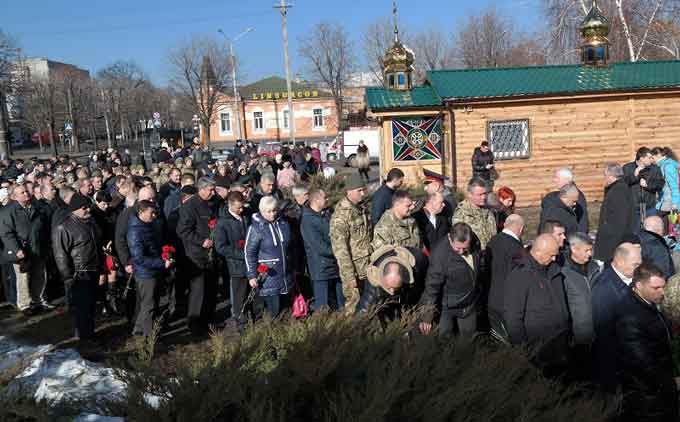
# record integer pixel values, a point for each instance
(350, 233)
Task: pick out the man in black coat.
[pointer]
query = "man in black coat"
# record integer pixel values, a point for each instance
(80, 260)
(503, 252)
(646, 181)
(232, 227)
(452, 282)
(265, 187)
(432, 223)
(655, 250)
(381, 200)
(561, 178)
(172, 186)
(535, 309)
(194, 230)
(323, 267)
(644, 351)
(483, 163)
(609, 289)
(562, 208)
(615, 214)
(25, 232)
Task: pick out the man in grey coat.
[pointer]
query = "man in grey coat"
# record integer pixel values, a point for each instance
(579, 271)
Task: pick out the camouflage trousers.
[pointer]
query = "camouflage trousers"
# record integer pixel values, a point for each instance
(352, 295)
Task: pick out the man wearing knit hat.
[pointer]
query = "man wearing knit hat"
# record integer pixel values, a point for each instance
(79, 257)
(351, 234)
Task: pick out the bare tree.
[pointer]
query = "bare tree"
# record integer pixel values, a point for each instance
(199, 70)
(378, 37)
(329, 54)
(640, 29)
(40, 98)
(9, 82)
(76, 96)
(434, 51)
(485, 40)
(118, 84)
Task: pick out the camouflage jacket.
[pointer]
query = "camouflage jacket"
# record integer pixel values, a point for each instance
(350, 234)
(394, 232)
(481, 220)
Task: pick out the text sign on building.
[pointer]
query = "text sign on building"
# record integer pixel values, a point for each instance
(284, 94)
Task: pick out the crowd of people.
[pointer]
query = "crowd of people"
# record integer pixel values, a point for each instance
(115, 235)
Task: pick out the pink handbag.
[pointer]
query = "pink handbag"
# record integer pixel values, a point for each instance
(300, 307)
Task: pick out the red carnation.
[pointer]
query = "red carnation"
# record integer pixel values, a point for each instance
(167, 252)
(212, 223)
(109, 263)
(241, 244)
(262, 269)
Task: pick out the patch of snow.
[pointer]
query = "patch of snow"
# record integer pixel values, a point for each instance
(89, 417)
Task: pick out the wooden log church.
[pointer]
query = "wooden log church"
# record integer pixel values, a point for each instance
(536, 119)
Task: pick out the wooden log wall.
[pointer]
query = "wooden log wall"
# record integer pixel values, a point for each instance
(576, 133)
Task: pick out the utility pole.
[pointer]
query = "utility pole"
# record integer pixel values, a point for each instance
(237, 108)
(283, 8)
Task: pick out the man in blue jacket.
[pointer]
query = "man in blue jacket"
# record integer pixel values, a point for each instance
(323, 268)
(382, 198)
(609, 289)
(147, 263)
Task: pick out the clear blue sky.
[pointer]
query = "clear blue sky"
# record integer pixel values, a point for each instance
(94, 33)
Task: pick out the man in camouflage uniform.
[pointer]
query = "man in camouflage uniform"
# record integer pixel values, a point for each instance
(473, 212)
(350, 232)
(396, 227)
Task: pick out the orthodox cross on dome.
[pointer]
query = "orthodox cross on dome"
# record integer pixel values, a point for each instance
(398, 61)
(394, 15)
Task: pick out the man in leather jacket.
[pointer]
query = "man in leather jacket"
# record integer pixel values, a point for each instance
(79, 257)
(452, 281)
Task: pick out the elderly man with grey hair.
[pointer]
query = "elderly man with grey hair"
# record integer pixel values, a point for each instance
(615, 214)
(563, 180)
(193, 229)
(266, 187)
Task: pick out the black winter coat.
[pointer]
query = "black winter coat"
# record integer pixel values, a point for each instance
(193, 229)
(655, 250)
(387, 307)
(479, 162)
(615, 220)
(535, 309)
(503, 252)
(451, 282)
(645, 362)
(27, 229)
(77, 247)
(552, 200)
(654, 179)
(381, 202)
(432, 235)
(230, 241)
(553, 209)
(121, 240)
(315, 228)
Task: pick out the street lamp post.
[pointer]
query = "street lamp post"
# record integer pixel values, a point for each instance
(231, 41)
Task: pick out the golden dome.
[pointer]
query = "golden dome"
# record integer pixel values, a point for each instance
(398, 58)
(595, 25)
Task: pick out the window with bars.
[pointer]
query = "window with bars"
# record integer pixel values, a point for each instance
(509, 139)
(258, 120)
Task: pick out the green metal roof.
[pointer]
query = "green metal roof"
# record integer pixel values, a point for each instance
(540, 81)
(381, 98)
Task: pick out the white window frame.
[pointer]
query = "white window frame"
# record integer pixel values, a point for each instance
(262, 127)
(314, 116)
(229, 130)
